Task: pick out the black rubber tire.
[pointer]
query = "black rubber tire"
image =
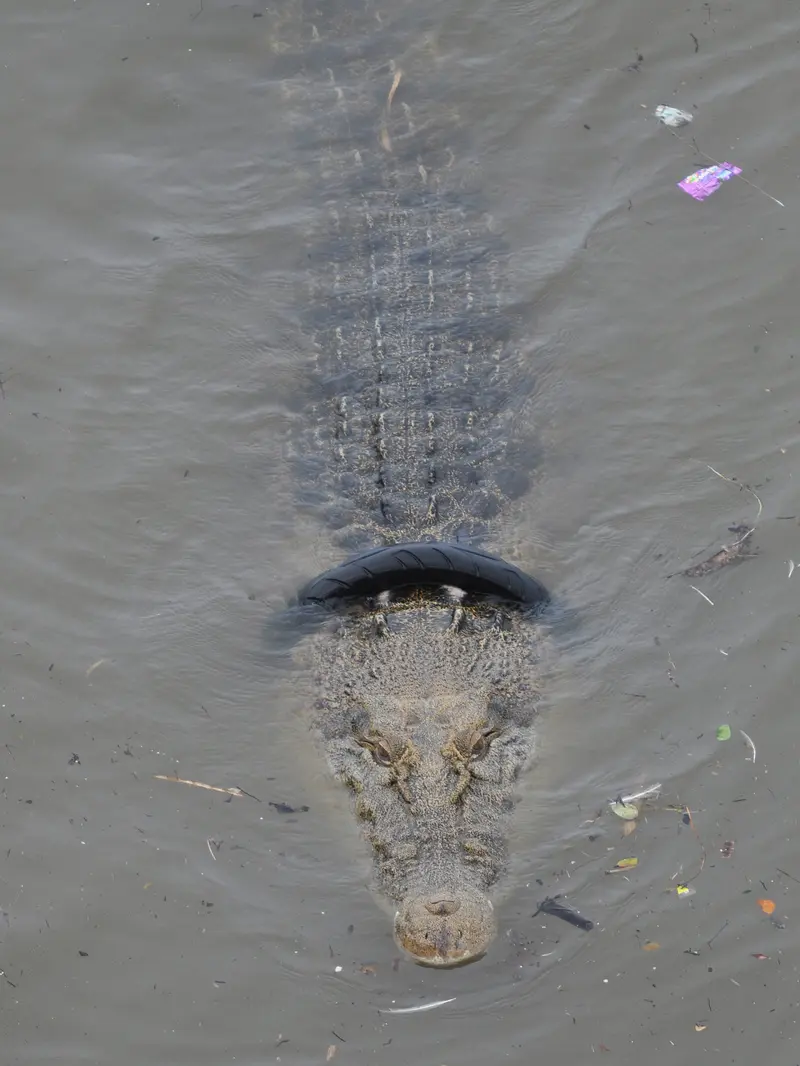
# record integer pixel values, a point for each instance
(428, 563)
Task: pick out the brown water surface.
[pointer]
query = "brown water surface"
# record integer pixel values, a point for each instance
(154, 370)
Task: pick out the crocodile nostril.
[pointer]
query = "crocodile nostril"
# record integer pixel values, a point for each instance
(438, 905)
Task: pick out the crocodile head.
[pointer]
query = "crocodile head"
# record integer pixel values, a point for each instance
(430, 734)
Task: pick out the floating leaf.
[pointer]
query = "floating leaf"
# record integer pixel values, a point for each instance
(651, 945)
(723, 732)
(626, 864)
(767, 906)
(685, 890)
(628, 811)
(700, 1026)
(759, 955)
(629, 828)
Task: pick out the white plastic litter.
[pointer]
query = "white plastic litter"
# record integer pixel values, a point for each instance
(673, 116)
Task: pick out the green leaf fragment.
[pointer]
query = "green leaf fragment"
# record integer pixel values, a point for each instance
(723, 732)
(628, 811)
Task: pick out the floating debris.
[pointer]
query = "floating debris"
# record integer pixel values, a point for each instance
(627, 807)
(723, 732)
(750, 743)
(685, 891)
(706, 181)
(552, 906)
(728, 553)
(628, 811)
(646, 793)
(727, 849)
(285, 808)
(702, 183)
(651, 945)
(385, 139)
(747, 488)
(415, 1010)
(673, 116)
(202, 784)
(767, 906)
(623, 864)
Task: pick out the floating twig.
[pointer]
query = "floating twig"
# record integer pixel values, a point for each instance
(750, 742)
(385, 139)
(747, 488)
(653, 790)
(714, 937)
(202, 784)
(415, 1010)
(398, 74)
(688, 814)
(672, 668)
(699, 593)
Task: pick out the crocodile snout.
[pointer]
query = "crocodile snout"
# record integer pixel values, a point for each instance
(445, 928)
(438, 905)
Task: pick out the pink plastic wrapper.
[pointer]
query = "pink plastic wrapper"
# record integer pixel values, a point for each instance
(703, 182)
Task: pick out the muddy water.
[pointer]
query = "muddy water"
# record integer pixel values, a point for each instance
(154, 375)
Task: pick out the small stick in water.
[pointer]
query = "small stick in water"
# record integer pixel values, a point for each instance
(747, 488)
(385, 139)
(697, 590)
(202, 784)
(415, 1010)
(398, 74)
(750, 742)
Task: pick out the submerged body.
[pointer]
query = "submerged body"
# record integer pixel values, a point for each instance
(427, 693)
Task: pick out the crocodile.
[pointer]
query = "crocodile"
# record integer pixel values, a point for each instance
(427, 654)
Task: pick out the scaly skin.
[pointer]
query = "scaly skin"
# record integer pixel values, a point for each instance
(427, 717)
(427, 706)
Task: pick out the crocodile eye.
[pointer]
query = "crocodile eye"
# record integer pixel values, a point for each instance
(381, 754)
